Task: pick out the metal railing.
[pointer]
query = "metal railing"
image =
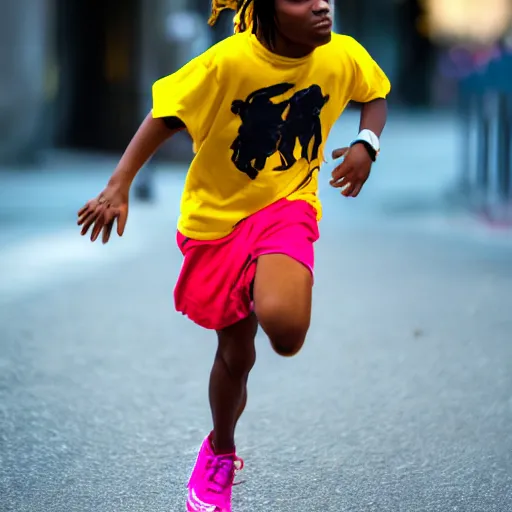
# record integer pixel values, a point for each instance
(486, 115)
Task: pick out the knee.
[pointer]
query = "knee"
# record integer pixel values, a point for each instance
(288, 340)
(287, 332)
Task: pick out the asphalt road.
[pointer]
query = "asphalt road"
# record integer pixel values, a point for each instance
(400, 401)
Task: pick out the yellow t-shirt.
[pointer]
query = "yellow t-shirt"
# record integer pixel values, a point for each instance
(259, 123)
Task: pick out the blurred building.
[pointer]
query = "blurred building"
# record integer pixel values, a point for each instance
(80, 71)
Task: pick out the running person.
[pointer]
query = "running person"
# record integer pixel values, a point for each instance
(259, 107)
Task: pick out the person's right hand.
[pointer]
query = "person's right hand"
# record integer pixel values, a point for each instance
(102, 212)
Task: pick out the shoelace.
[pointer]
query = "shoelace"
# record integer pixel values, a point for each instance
(221, 471)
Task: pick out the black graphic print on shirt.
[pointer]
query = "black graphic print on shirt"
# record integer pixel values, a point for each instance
(266, 130)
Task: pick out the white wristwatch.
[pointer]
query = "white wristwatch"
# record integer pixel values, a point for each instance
(370, 141)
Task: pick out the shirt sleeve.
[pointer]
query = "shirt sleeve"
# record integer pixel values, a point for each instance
(369, 81)
(188, 94)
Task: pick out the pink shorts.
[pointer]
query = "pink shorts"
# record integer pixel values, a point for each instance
(214, 286)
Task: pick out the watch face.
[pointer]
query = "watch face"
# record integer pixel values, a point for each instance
(370, 137)
(370, 141)
(376, 143)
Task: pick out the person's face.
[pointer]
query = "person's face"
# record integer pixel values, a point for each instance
(307, 23)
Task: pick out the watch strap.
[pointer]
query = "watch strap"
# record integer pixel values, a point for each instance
(370, 141)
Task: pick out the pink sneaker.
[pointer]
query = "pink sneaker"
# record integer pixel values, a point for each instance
(211, 482)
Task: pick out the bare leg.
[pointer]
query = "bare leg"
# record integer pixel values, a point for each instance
(282, 298)
(234, 360)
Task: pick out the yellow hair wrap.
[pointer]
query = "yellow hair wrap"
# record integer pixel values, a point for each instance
(220, 5)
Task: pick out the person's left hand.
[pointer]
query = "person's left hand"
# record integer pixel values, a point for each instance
(353, 172)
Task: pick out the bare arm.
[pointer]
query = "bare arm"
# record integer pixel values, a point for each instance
(353, 172)
(151, 134)
(374, 116)
(112, 203)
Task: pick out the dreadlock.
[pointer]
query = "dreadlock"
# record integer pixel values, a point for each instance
(259, 16)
